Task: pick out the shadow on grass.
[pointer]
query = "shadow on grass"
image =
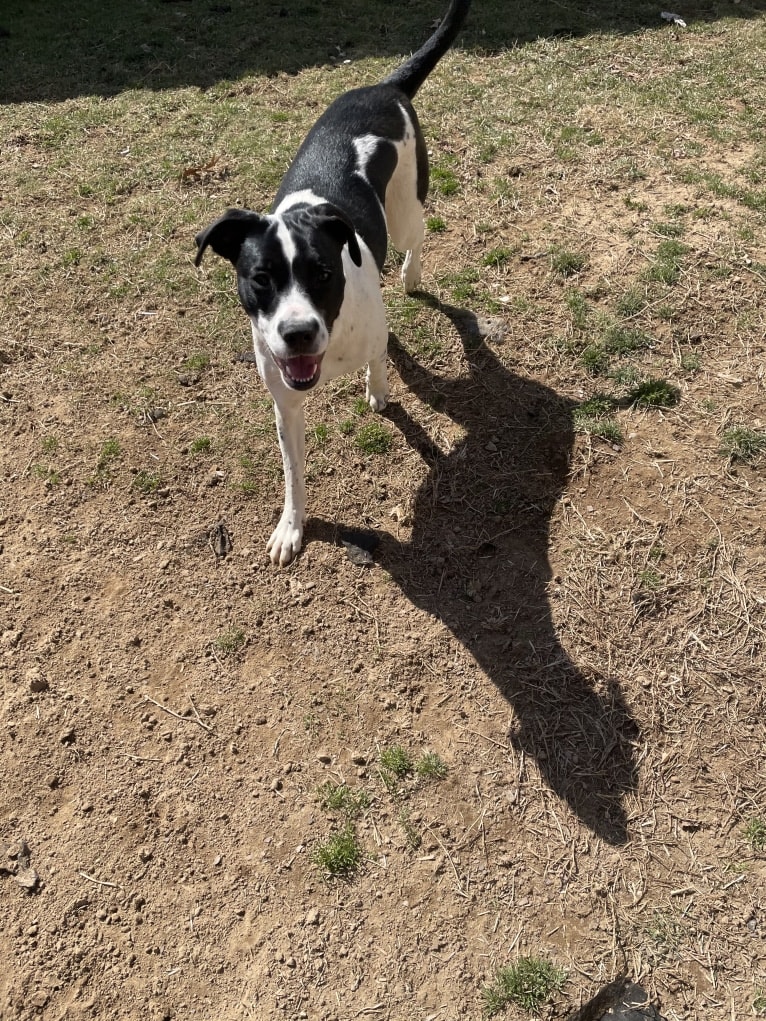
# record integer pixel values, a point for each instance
(53, 51)
(478, 561)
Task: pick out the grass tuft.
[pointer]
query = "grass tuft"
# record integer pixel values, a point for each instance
(654, 393)
(396, 760)
(373, 438)
(431, 767)
(339, 797)
(566, 263)
(755, 834)
(742, 444)
(340, 856)
(528, 984)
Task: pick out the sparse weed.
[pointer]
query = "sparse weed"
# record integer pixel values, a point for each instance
(110, 451)
(595, 360)
(339, 797)
(414, 839)
(759, 1002)
(666, 269)
(621, 340)
(373, 438)
(431, 767)
(346, 427)
(340, 856)
(321, 433)
(444, 181)
(755, 834)
(594, 417)
(435, 225)
(200, 445)
(742, 444)
(654, 393)
(230, 642)
(578, 306)
(566, 263)
(631, 302)
(396, 760)
(497, 257)
(527, 983)
(691, 361)
(147, 482)
(197, 362)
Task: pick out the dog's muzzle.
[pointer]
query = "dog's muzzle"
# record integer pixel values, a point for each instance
(300, 371)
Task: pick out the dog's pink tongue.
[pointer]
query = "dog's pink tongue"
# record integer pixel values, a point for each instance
(302, 368)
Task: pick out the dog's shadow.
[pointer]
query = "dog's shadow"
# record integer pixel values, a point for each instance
(477, 559)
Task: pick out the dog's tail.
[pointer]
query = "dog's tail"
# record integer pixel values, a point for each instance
(413, 72)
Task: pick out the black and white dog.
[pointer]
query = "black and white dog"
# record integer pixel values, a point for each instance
(308, 274)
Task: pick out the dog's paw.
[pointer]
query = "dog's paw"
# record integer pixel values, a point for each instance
(377, 402)
(285, 542)
(411, 272)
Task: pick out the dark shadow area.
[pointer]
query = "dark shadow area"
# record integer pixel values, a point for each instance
(53, 51)
(478, 561)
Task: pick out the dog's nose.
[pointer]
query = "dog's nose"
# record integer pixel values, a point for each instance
(299, 333)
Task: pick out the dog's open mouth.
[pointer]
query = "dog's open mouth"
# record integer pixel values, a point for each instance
(302, 371)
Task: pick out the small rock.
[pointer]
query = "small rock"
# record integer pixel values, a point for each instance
(36, 681)
(67, 736)
(275, 785)
(312, 917)
(260, 721)
(27, 878)
(358, 556)
(491, 447)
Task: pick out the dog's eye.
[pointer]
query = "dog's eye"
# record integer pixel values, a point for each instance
(261, 280)
(323, 275)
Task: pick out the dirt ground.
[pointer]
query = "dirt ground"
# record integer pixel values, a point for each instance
(575, 627)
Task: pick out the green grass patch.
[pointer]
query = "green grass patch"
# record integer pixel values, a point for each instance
(431, 767)
(497, 257)
(566, 262)
(396, 760)
(528, 983)
(435, 225)
(739, 443)
(444, 181)
(654, 393)
(229, 642)
(340, 856)
(147, 482)
(200, 445)
(339, 797)
(755, 834)
(373, 438)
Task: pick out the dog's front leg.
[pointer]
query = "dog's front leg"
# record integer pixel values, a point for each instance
(286, 538)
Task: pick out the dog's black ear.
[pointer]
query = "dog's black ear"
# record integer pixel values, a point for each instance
(226, 234)
(340, 227)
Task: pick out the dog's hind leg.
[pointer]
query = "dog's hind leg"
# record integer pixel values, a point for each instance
(405, 195)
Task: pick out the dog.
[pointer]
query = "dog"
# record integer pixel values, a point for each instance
(308, 273)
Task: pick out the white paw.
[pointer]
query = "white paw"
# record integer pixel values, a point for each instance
(285, 541)
(411, 272)
(377, 401)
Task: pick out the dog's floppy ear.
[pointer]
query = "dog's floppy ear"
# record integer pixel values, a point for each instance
(226, 234)
(339, 226)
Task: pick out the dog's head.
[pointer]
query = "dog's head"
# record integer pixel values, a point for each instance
(290, 279)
